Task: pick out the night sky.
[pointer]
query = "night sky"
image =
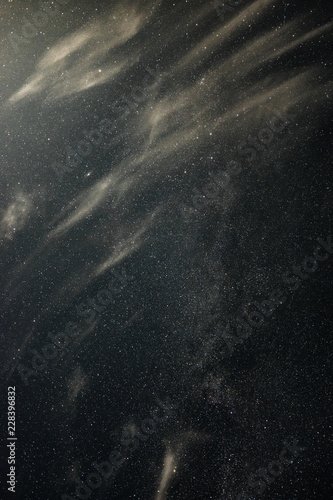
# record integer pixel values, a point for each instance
(166, 249)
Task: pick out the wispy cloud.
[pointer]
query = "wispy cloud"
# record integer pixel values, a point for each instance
(16, 215)
(81, 56)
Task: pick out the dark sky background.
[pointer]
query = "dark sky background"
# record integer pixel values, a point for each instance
(146, 207)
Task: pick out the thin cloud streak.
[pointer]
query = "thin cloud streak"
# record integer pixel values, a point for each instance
(93, 43)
